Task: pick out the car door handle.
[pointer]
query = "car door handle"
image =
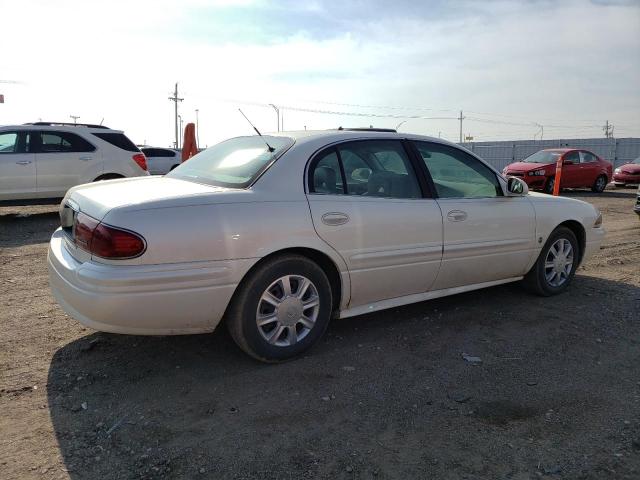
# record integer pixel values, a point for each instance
(23, 162)
(335, 218)
(457, 216)
(86, 159)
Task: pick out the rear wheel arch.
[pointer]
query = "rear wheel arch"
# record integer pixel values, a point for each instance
(319, 258)
(108, 176)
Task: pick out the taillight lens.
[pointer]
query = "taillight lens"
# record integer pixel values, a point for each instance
(106, 241)
(141, 160)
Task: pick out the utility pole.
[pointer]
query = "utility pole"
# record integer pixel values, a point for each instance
(176, 99)
(180, 132)
(197, 129)
(277, 114)
(461, 118)
(75, 118)
(608, 130)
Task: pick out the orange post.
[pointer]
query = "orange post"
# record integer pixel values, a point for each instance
(189, 146)
(556, 183)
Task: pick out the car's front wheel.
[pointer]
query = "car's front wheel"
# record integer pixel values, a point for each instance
(548, 187)
(556, 265)
(281, 309)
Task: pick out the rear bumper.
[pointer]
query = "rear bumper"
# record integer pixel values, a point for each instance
(168, 299)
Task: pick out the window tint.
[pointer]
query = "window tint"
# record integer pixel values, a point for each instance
(158, 152)
(572, 157)
(9, 142)
(379, 168)
(53, 142)
(327, 178)
(119, 140)
(588, 157)
(456, 174)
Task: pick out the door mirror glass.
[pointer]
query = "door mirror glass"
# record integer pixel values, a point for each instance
(516, 187)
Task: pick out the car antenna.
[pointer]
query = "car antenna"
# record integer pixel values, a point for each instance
(271, 149)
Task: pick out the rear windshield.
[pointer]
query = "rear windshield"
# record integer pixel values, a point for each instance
(543, 156)
(119, 140)
(234, 163)
(637, 160)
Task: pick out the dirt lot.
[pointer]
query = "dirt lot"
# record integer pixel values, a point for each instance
(386, 395)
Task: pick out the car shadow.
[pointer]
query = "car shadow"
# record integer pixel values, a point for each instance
(25, 228)
(178, 407)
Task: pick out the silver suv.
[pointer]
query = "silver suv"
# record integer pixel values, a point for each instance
(40, 161)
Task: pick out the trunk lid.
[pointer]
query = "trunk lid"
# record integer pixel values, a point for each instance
(97, 199)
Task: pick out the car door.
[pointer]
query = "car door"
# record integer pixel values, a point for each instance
(589, 169)
(17, 166)
(62, 160)
(367, 203)
(487, 236)
(571, 170)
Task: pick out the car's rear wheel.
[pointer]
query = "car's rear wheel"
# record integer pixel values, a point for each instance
(548, 187)
(281, 309)
(556, 265)
(600, 184)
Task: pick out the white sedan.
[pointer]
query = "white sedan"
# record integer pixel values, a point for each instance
(280, 233)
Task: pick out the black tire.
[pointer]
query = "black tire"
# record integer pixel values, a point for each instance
(548, 187)
(108, 176)
(600, 184)
(242, 313)
(535, 280)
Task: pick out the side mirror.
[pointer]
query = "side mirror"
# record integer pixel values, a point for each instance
(567, 162)
(516, 187)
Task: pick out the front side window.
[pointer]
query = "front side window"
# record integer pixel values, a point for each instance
(63, 142)
(234, 163)
(457, 174)
(9, 142)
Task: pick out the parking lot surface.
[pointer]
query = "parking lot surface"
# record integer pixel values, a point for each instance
(554, 392)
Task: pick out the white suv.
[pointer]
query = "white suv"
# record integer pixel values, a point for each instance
(40, 161)
(161, 160)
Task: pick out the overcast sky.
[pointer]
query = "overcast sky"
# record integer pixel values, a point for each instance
(567, 65)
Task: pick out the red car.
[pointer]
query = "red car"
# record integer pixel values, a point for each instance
(580, 168)
(628, 173)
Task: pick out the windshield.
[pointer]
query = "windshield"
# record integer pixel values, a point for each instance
(234, 163)
(637, 161)
(543, 156)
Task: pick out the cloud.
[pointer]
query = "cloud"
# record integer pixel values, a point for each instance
(569, 63)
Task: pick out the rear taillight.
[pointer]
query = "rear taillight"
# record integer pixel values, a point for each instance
(106, 241)
(141, 160)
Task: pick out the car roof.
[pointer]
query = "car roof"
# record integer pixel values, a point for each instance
(337, 135)
(60, 127)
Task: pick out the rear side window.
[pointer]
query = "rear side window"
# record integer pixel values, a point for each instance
(372, 168)
(119, 140)
(158, 152)
(9, 142)
(588, 157)
(63, 142)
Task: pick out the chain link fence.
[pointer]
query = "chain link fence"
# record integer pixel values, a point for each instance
(500, 154)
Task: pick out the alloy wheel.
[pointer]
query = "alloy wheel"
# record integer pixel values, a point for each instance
(288, 310)
(558, 262)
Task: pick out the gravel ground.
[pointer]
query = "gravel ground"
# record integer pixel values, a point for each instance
(387, 395)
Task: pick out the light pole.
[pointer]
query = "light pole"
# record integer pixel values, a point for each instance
(75, 118)
(180, 133)
(277, 114)
(197, 129)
